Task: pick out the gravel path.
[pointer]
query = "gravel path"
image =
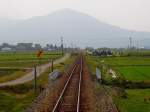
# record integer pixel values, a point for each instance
(30, 76)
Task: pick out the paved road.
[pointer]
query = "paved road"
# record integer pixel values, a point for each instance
(30, 76)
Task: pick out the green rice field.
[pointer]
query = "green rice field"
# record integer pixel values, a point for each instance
(134, 101)
(131, 68)
(13, 64)
(19, 97)
(25, 59)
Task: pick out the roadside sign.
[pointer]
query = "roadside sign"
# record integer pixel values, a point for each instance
(39, 53)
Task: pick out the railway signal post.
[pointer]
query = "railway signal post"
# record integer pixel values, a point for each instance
(39, 56)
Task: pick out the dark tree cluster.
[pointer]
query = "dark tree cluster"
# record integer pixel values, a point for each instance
(102, 52)
(28, 47)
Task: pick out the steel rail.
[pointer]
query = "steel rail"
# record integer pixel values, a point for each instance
(79, 91)
(61, 95)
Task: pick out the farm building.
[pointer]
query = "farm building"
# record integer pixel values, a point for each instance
(6, 49)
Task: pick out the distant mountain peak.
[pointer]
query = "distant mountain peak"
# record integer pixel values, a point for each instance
(82, 29)
(67, 10)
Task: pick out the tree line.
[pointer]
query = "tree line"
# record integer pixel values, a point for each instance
(28, 47)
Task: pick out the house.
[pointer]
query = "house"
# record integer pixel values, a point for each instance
(6, 49)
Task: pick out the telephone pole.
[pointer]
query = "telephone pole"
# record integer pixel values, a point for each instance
(72, 47)
(130, 39)
(35, 80)
(62, 48)
(137, 47)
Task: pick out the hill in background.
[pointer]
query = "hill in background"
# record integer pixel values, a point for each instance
(81, 29)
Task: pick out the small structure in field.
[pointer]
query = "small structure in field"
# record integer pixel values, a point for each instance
(6, 49)
(54, 75)
(111, 72)
(98, 75)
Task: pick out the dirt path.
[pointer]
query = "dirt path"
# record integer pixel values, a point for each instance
(30, 76)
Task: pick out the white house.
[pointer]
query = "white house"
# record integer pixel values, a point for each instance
(6, 49)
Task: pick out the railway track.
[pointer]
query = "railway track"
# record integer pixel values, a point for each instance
(69, 99)
(74, 93)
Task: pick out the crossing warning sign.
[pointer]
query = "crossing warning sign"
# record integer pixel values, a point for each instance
(39, 53)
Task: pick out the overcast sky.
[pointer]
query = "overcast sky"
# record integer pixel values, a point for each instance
(130, 14)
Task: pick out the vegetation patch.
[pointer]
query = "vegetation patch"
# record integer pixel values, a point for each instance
(4, 72)
(135, 73)
(10, 74)
(25, 59)
(18, 98)
(133, 68)
(137, 101)
(14, 102)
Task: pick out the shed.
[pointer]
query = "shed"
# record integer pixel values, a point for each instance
(98, 74)
(6, 49)
(54, 75)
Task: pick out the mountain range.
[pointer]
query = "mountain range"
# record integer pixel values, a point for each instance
(75, 27)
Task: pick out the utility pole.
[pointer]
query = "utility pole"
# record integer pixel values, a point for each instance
(62, 48)
(35, 80)
(52, 66)
(65, 47)
(130, 39)
(72, 47)
(137, 47)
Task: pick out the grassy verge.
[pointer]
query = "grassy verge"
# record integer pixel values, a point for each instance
(25, 59)
(11, 75)
(136, 69)
(93, 62)
(134, 101)
(14, 102)
(13, 62)
(18, 98)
